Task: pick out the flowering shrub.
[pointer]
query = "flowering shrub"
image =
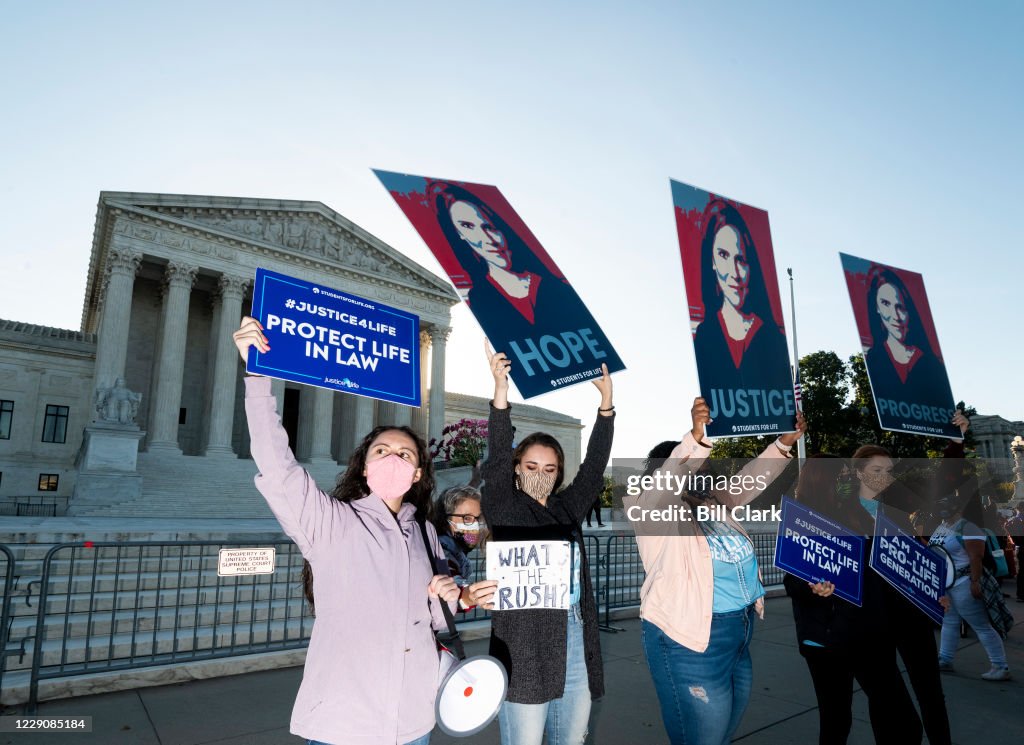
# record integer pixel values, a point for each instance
(462, 443)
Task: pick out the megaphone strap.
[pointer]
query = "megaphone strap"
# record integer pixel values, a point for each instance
(450, 640)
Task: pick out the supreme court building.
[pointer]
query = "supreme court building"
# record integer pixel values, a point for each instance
(169, 279)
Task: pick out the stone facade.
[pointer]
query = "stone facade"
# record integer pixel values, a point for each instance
(169, 279)
(527, 420)
(993, 435)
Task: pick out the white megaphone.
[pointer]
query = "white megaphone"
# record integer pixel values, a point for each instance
(470, 693)
(470, 690)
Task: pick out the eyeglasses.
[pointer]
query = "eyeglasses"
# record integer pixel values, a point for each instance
(466, 518)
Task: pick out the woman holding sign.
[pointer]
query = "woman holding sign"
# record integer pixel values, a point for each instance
(703, 587)
(372, 667)
(840, 642)
(912, 631)
(553, 657)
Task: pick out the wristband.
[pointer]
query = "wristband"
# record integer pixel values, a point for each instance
(611, 408)
(784, 448)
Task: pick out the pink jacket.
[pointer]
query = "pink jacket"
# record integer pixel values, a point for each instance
(678, 591)
(371, 669)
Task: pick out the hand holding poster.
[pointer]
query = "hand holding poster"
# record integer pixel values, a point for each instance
(916, 572)
(735, 314)
(327, 338)
(816, 549)
(530, 574)
(515, 291)
(901, 350)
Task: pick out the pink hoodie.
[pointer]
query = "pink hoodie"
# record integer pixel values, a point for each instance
(371, 669)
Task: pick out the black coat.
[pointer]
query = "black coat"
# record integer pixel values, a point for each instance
(531, 644)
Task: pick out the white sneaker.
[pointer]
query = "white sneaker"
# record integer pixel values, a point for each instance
(997, 673)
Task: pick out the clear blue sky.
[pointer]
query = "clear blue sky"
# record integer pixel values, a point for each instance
(885, 130)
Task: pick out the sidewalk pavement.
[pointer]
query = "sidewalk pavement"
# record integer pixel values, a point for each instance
(254, 709)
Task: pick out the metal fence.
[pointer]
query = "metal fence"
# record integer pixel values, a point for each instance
(115, 606)
(5, 607)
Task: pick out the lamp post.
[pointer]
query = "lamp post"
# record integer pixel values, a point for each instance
(1017, 448)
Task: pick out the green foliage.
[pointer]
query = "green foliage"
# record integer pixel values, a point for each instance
(608, 493)
(840, 414)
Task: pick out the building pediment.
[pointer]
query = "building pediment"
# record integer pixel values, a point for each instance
(309, 231)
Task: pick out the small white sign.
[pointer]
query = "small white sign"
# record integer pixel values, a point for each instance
(232, 562)
(530, 574)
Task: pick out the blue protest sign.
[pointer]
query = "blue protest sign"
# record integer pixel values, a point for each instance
(916, 572)
(328, 338)
(816, 549)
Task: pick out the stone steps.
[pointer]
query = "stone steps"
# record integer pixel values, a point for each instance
(178, 486)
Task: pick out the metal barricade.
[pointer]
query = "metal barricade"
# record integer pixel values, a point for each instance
(117, 606)
(5, 607)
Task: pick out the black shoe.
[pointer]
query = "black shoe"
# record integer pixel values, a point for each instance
(601, 525)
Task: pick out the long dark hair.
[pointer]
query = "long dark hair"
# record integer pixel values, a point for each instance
(916, 336)
(542, 438)
(351, 485)
(444, 195)
(717, 215)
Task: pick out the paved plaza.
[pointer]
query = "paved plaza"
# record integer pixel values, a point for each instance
(253, 709)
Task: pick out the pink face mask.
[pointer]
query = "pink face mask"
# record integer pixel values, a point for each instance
(390, 477)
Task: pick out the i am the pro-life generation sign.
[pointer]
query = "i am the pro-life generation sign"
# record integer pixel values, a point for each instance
(328, 338)
(816, 549)
(530, 574)
(917, 573)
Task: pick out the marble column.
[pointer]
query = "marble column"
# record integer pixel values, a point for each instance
(163, 431)
(112, 340)
(387, 412)
(225, 366)
(419, 416)
(363, 419)
(347, 417)
(403, 415)
(438, 341)
(277, 391)
(322, 426)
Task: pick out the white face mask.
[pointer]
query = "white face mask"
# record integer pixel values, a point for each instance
(537, 484)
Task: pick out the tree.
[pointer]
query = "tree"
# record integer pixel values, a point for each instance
(825, 383)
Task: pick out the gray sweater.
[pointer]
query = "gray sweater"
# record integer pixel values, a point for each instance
(532, 643)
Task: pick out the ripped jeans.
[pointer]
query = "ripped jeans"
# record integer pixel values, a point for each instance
(703, 694)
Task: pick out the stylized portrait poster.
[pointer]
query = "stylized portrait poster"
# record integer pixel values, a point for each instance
(735, 314)
(524, 304)
(901, 350)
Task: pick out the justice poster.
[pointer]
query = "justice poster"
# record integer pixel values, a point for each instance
(901, 349)
(732, 292)
(525, 305)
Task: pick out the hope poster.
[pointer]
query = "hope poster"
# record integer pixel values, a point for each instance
(901, 349)
(917, 572)
(525, 305)
(817, 549)
(739, 337)
(327, 338)
(530, 574)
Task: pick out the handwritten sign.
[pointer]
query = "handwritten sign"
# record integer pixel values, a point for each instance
(232, 562)
(530, 574)
(328, 338)
(816, 549)
(916, 572)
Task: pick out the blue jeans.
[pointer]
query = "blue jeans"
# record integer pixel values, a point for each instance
(565, 719)
(963, 605)
(703, 694)
(425, 740)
